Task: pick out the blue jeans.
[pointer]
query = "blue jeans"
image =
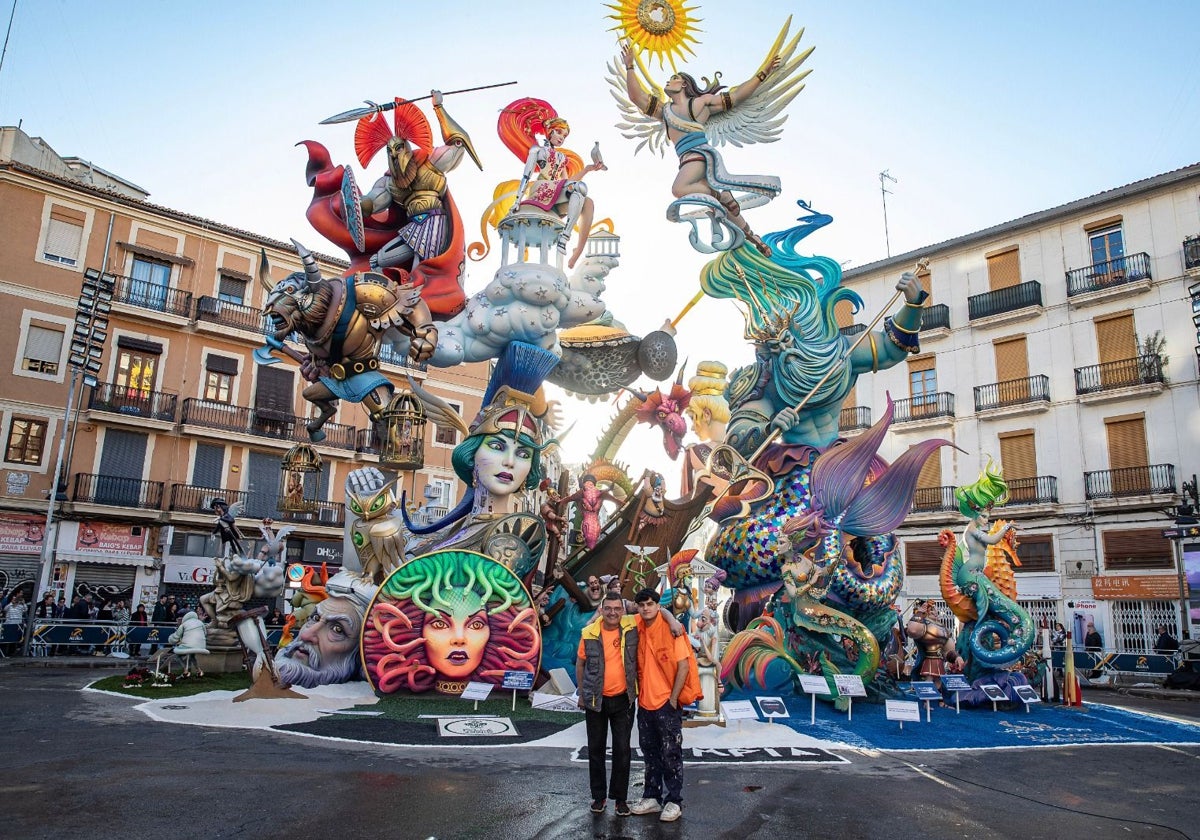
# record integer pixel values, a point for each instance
(660, 733)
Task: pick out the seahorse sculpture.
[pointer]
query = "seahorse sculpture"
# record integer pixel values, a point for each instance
(978, 584)
(853, 494)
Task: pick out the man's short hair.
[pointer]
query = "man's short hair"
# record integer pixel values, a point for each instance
(613, 596)
(644, 595)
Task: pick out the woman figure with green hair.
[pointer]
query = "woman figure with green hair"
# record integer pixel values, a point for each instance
(975, 502)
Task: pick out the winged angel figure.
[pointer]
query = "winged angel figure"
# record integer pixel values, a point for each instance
(695, 118)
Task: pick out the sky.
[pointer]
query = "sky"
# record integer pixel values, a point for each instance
(982, 112)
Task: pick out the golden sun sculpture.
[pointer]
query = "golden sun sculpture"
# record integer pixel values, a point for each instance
(662, 28)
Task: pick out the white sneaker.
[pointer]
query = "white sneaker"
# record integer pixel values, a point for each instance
(646, 806)
(670, 813)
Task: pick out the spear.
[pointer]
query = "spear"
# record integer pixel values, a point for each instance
(373, 108)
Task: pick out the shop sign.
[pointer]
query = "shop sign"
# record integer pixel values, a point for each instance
(189, 570)
(110, 538)
(317, 552)
(1136, 587)
(22, 534)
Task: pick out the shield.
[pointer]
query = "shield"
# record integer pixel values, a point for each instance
(352, 202)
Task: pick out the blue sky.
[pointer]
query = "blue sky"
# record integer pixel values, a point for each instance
(983, 112)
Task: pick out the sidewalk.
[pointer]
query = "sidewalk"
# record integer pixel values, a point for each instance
(74, 661)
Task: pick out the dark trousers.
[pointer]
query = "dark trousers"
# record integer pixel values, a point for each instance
(660, 736)
(615, 713)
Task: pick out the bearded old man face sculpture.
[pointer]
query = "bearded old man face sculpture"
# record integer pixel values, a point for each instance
(326, 650)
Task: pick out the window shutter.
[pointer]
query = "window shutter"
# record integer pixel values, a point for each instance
(920, 363)
(931, 473)
(63, 239)
(1127, 443)
(1115, 338)
(262, 485)
(120, 472)
(1012, 359)
(923, 558)
(233, 287)
(226, 365)
(1018, 455)
(843, 313)
(208, 468)
(43, 344)
(1137, 549)
(926, 278)
(1004, 269)
(275, 390)
(851, 400)
(1036, 553)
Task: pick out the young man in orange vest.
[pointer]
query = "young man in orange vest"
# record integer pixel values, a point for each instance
(662, 672)
(606, 673)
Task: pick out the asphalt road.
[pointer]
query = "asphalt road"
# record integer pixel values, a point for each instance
(89, 766)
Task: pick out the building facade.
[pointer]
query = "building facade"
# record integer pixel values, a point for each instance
(180, 412)
(1062, 346)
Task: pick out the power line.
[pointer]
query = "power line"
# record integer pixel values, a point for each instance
(884, 177)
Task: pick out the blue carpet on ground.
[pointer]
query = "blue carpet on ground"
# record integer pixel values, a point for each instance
(1046, 725)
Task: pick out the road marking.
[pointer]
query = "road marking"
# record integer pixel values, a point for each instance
(931, 777)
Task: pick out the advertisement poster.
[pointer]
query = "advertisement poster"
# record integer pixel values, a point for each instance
(22, 534)
(110, 538)
(1191, 567)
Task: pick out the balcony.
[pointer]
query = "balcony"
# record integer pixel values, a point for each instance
(855, 418)
(266, 423)
(852, 330)
(117, 492)
(934, 499)
(1128, 377)
(1039, 490)
(146, 295)
(1191, 254)
(388, 356)
(148, 405)
(927, 407)
(1012, 301)
(190, 498)
(1110, 274)
(936, 317)
(1152, 480)
(223, 313)
(367, 441)
(1032, 391)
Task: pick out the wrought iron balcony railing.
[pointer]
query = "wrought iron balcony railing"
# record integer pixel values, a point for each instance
(227, 314)
(150, 295)
(1140, 370)
(390, 357)
(367, 441)
(119, 399)
(191, 498)
(1150, 480)
(1009, 299)
(1105, 275)
(1039, 490)
(262, 422)
(853, 329)
(118, 492)
(855, 417)
(1191, 252)
(1031, 389)
(935, 317)
(925, 407)
(934, 499)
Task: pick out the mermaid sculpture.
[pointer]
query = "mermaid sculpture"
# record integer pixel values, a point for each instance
(978, 584)
(813, 616)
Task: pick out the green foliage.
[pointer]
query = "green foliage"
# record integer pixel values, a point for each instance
(180, 687)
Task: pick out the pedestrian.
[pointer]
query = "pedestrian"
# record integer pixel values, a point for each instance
(663, 664)
(1166, 644)
(138, 618)
(159, 616)
(1058, 636)
(80, 615)
(606, 674)
(121, 619)
(44, 611)
(14, 613)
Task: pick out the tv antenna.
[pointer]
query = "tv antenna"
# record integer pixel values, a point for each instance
(884, 192)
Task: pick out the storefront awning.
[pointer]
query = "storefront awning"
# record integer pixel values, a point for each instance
(106, 559)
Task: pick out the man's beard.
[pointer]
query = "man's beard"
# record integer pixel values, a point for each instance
(314, 672)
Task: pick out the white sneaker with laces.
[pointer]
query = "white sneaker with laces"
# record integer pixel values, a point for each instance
(670, 812)
(645, 806)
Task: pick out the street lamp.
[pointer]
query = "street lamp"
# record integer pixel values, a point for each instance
(87, 348)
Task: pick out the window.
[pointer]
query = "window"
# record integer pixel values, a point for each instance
(1137, 549)
(448, 435)
(444, 489)
(63, 240)
(923, 558)
(922, 382)
(150, 281)
(218, 387)
(1004, 269)
(26, 440)
(1106, 244)
(136, 372)
(43, 350)
(231, 289)
(1036, 552)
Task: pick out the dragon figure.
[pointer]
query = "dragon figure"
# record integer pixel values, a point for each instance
(812, 618)
(978, 584)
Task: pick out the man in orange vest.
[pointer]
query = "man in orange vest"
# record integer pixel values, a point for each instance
(662, 671)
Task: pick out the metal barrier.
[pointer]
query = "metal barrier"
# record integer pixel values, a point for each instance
(74, 637)
(1110, 661)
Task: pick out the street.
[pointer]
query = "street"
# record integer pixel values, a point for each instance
(89, 765)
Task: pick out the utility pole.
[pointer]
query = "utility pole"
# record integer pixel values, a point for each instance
(884, 177)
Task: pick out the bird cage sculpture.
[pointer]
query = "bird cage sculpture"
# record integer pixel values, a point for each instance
(402, 426)
(296, 493)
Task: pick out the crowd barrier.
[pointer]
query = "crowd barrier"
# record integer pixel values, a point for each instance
(69, 637)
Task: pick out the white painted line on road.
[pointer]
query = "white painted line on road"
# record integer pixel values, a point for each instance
(930, 776)
(1175, 750)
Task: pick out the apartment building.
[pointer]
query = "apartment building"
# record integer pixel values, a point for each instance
(180, 412)
(1061, 345)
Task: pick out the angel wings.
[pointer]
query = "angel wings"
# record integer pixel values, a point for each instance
(757, 119)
